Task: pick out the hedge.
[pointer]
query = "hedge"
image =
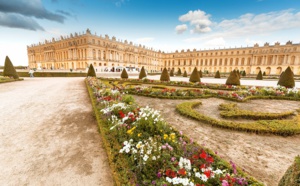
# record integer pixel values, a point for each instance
(52, 74)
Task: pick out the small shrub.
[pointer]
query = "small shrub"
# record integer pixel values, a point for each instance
(217, 75)
(292, 175)
(259, 76)
(172, 72)
(238, 73)
(200, 74)
(287, 78)
(264, 74)
(185, 74)
(124, 74)
(128, 99)
(195, 76)
(244, 73)
(179, 71)
(142, 73)
(233, 79)
(9, 69)
(91, 71)
(165, 75)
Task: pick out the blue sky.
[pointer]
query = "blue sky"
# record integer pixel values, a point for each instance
(166, 25)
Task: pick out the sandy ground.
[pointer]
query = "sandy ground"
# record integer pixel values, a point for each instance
(48, 135)
(265, 157)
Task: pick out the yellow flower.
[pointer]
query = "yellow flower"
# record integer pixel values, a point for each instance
(131, 130)
(172, 136)
(140, 134)
(165, 136)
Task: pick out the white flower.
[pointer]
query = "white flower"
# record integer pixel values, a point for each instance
(145, 157)
(153, 158)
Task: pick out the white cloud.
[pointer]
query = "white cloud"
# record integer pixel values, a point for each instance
(181, 28)
(250, 24)
(253, 42)
(198, 19)
(219, 41)
(145, 40)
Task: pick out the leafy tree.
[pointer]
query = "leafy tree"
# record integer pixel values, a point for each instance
(142, 73)
(91, 71)
(259, 76)
(165, 75)
(233, 79)
(195, 76)
(124, 74)
(179, 71)
(287, 78)
(9, 69)
(185, 74)
(217, 75)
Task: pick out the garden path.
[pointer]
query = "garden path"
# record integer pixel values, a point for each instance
(265, 157)
(48, 135)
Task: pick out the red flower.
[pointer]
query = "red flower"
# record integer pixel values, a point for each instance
(207, 173)
(170, 173)
(195, 156)
(203, 155)
(202, 166)
(182, 172)
(210, 159)
(122, 115)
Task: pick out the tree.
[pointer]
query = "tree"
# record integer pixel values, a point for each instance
(244, 73)
(200, 74)
(165, 75)
(9, 69)
(142, 73)
(195, 76)
(259, 76)
(264, 74)
(184, 74)
(124, 74)
(217, 75)
(233, 79)
(172, 72)
(179, 71)
(91, 71)
(287, 78)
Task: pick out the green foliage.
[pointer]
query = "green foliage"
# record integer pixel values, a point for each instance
(232, 111)
(128, 99)
(259, 76)
(292, 175)
(217, 75)
(185, 74)
(244, 73)
(172, 72)
(238, 73)
(200, 74)
(142, 73)
(164, 75)
(287, 78)
(195, 76)
(264, 74)
(9, 69)
(233, 79)
(91, 71)
(278, 127)
(124, 74)
(179, 72)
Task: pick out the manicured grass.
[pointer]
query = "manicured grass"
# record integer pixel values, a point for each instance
(292, 175)
(7, 79)
(277, 127)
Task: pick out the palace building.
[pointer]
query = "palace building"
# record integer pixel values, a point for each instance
(79, 50)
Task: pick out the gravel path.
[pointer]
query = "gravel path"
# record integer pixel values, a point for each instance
(48, 135)
(265, 157)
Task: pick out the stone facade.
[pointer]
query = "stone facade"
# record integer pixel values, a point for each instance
(79, 50)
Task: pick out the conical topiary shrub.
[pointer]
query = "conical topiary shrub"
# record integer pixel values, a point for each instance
(217, 75)
(9, 69)
(259, 76)
(179, 72)
(124, 74)
(244, 73)
(165, 75)
(91, 71)
(233, 79)
(184, 74)
(200, 74)
(172, 73)
(238, 73)
(195, 76)
(142, 73)
(264, 74)
(287, 78)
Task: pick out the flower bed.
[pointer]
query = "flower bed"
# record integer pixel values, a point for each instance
(144, 150)
(230, 110)
(278, 127)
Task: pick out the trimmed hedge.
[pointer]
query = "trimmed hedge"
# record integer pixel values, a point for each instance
(287, 78)
(232, 111)
(9, 69)
(164, 75)
(179, 72)
(292, 175)
(259, 76)
(142, 73)
(124, 74)
(217, 75)
(195, 76)
(91, 71)
(185, 74)
(7, 80)
(52, 74)
(277, 127)
(233, 79)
